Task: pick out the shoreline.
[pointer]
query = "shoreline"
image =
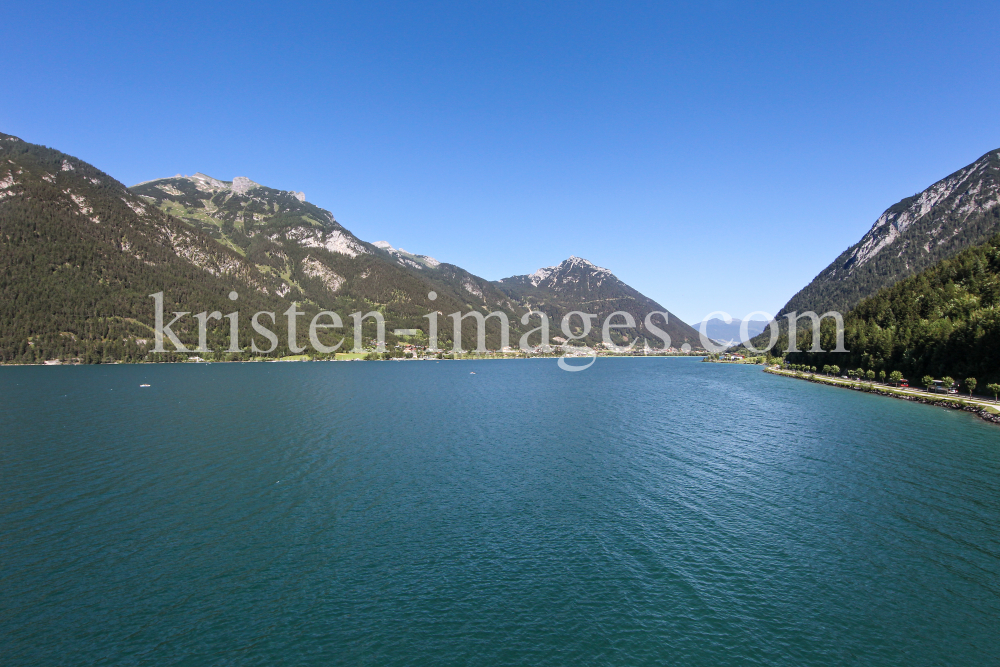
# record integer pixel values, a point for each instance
(981, 408)
(291, 361)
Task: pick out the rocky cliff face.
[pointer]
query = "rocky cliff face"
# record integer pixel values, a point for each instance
(242, 185)
(957, 212)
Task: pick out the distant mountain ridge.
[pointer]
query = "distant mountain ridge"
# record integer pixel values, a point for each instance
(559, 277)
(717, 329)
(416, 261)
(577, 284)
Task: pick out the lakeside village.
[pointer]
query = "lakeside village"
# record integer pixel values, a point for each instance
(405, 351)
(404, 343)
(408, 351)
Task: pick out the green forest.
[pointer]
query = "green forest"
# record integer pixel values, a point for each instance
(944, 321)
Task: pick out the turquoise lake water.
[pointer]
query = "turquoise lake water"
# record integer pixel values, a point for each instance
(643, 512)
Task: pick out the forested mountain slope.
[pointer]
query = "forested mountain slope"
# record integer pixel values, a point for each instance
(80, 255)
(942, 321)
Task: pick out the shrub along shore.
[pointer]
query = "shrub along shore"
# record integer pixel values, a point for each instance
(988, 412)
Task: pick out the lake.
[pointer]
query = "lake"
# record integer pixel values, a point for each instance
(643, 512)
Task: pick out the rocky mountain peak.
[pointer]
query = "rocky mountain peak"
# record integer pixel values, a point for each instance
(568, 271)
(206, 182)
(960, 210)
(407, 258)
(242, 185)
(579, 262)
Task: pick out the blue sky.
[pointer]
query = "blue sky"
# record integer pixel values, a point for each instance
(716, 156)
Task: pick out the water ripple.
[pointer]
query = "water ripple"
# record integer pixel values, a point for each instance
(646, 511)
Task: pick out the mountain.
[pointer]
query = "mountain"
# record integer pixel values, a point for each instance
(955, 213)
(242, 216)
(942, 321)
(959, 211)
(577, 284)
(80, 254)
(717, 329)
(317, 259)
(404, 257)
